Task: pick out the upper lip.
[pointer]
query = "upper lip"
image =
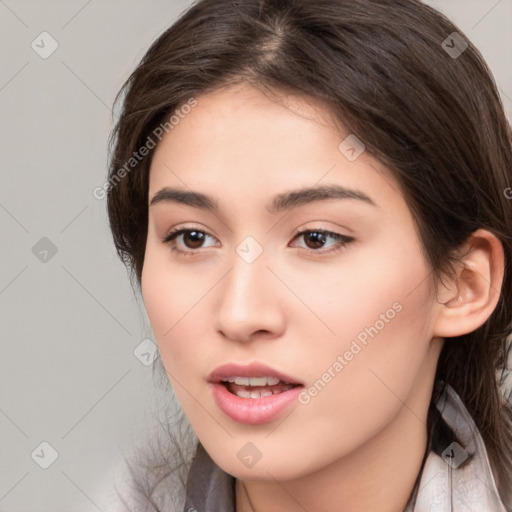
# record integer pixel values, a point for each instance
(255, 369)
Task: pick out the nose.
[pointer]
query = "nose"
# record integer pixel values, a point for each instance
(250, 304)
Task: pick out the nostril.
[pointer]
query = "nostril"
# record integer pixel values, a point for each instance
(261, 331)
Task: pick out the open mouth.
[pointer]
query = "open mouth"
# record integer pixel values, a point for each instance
(256, 387)
(253, 394)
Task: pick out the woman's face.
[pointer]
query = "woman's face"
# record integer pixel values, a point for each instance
(345, 309)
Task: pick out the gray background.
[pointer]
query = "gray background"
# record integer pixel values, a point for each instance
(69, 321)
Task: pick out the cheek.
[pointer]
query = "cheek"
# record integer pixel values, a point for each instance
(383, 332)
(377, 310)
(172, 298)
(363, 292)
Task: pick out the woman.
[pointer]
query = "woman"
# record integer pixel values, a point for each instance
(312, 198)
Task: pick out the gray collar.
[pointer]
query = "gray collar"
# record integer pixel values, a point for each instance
(455, 477)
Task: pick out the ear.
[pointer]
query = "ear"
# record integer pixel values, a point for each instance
(470, 298)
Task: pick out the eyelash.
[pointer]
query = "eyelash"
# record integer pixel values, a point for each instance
(343, 240)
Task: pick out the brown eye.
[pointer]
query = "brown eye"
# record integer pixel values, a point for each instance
(315, 238)
(193, 239)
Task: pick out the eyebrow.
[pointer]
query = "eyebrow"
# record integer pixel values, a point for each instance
(280, 202)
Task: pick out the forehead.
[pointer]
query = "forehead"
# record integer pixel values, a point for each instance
(242, 117)
(241, 143)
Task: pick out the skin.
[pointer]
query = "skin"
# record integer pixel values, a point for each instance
(359, 443)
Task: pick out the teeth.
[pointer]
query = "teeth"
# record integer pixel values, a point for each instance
(256, 387)
(255, 394)
(257, 381)
(254, 381)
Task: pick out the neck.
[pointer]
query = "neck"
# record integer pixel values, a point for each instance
(379, 475)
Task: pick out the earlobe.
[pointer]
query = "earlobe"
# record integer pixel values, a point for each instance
(472, 295)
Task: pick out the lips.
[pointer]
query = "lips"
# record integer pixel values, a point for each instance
(254, 393)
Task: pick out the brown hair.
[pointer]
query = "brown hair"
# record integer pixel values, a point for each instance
(434, 118)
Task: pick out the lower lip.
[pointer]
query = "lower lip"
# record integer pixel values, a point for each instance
(253, 411)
